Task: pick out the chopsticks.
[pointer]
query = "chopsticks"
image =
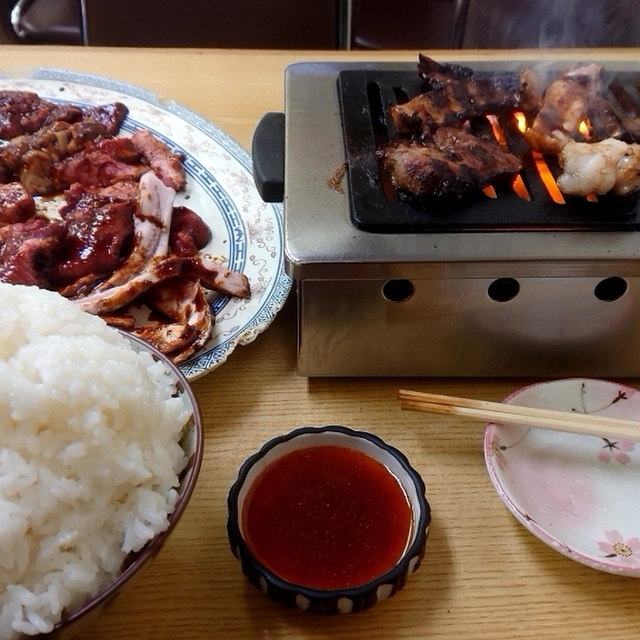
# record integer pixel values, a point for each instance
(582, 423)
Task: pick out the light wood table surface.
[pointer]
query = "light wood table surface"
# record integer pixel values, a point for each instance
(483, 575)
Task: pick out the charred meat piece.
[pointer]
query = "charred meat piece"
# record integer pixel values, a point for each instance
(183, 303)
(110, 116)
(166, 164)
(98, 233)
(64, 113)
(215, 276)
(29, 251)
(189, 233)
(22, 112)
(125, 190)
(437, 73)
(102, 164)
(575, 97)
(455, 94)
(16, 205)
(453, 161)
(31, 157)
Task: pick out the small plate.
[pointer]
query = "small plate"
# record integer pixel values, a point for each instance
(246, 231)
(579, 494)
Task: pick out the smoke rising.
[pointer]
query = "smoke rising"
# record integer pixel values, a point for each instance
(552, 23)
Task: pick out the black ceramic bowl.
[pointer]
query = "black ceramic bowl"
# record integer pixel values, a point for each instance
(334, 599)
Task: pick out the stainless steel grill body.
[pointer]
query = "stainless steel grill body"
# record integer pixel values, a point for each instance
(424, 303)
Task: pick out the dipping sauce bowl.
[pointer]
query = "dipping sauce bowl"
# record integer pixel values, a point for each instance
(328, 519)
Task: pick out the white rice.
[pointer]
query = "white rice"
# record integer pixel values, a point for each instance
(89, 455)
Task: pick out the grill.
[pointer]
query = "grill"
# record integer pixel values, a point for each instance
(492, 284)
(530, 202)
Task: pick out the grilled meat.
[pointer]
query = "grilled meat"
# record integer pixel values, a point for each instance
(28, 252)
(183, 303)
(166, 164)
(108, 161)
(31, 157)
(576, 96)
(600, 167)
(22, 112)
(454, 94)
(189, 233)
(110, 116)
(453, 161)
(98, 232)
(16, 205)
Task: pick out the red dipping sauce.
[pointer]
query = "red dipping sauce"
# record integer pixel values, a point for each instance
(327, 517)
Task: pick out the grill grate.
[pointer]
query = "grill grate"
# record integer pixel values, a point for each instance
(365, 97)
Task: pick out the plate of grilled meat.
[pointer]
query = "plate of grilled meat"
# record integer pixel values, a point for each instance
(140, 211)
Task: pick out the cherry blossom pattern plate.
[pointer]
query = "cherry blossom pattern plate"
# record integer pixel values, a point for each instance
(246, 232)
(579, 494)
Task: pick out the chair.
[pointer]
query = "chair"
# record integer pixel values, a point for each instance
(269, 24)
(50, 22)
(401, 24)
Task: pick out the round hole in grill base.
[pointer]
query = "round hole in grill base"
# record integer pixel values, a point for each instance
(503, 289)
(610, 289)
(398, 290)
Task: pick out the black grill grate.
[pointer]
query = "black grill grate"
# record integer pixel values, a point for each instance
(365, 97)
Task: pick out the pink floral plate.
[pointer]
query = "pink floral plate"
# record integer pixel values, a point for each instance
(579, 494)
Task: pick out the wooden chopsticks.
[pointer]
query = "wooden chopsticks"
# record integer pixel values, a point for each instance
(582, 423)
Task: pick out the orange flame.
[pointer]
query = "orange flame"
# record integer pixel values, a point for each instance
(583, 128)
(543, 168)
(517, 183)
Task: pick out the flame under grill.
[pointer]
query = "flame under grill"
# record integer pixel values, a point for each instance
(530, 200)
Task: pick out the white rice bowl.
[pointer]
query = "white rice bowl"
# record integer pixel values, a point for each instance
(89, 455)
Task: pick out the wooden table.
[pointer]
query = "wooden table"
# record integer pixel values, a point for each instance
(484, 575)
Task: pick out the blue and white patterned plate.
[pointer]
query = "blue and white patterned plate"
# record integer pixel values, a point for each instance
(247, 232)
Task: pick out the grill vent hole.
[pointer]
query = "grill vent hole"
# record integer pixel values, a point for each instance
(503, 289)
(398, 290)
(611, 289)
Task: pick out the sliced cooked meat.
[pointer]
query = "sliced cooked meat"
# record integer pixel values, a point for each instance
(189, 233)
(31, 157)
(454, 94)
(453, 161)
(183, 302)
(166, 164)
(110, 116)
(215, 276)
(22, 112)
(29, 251)
(16, 204)
(97, 240)
(102, 164)
(65, 113)
(125, 190)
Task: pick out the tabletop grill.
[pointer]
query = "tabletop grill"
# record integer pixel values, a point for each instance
(509, 281)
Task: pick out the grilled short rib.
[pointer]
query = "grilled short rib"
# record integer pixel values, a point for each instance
(453, 94)
(454, 161)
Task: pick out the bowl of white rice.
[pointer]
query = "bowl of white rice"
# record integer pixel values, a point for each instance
(101, 444)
